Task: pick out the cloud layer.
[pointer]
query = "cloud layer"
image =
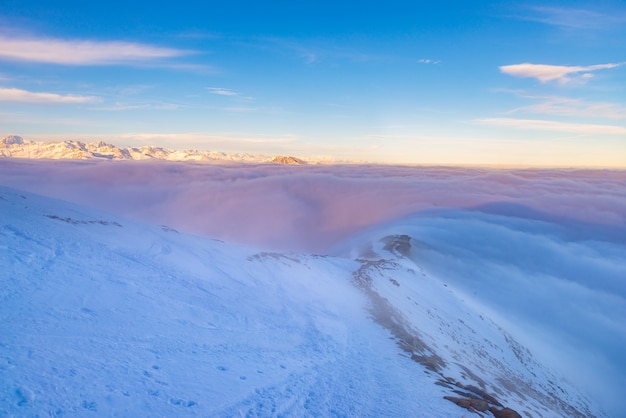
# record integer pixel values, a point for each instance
(311, 207)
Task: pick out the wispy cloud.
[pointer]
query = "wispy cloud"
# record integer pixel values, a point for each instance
(143, 106)
(269, 110)
(24, 96)
(82, 52)
(565, 106)
(242, 109)
(562, 74)
(309, 56)
(39, 123)
(224, 141)
(232, 94)
(314, 52)
(428, 61)
(571, 18)
(222, 91)
(553, 126)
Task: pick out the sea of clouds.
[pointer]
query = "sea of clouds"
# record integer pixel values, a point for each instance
(545, 250)
(312, 208)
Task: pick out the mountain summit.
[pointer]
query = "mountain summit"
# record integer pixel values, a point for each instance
(279, 159)
(12, 140)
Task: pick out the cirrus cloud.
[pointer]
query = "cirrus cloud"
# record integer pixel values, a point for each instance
(222, 91)
(559, 73)
(428, 61)
(577, 19)
(553, 126)
(24, 96)
(82, 52)
(565, 106)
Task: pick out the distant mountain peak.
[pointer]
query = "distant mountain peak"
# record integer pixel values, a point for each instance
(280, 159)
(14, 146)
(13, 140)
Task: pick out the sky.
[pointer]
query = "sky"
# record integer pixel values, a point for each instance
(539, 83)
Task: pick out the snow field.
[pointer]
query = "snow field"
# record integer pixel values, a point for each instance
(101, 316)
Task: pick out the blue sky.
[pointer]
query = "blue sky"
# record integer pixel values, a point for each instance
(452, 82)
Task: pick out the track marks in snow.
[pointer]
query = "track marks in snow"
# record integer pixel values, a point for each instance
(24, 396)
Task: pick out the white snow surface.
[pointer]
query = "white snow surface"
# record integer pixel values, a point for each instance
(103, 316)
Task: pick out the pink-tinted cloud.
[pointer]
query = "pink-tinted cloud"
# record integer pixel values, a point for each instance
(559, 73)
(311, 207)
(566, 106)
(24, 96)
(81, 52)
(553, 126)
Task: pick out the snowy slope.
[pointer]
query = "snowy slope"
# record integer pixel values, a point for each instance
(107, 317)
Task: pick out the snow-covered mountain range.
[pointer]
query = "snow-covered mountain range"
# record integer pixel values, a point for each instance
(14, 146)
(106, 316)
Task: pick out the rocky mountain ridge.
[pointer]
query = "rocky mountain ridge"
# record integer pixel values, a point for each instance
(14, 146)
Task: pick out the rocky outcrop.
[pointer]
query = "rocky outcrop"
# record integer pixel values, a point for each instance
(492, 371)
(400, 244)
(469, 403)
(504, 413)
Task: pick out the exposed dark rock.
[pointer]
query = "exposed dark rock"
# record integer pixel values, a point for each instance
(400, 244)
(79, 222)
(383, 312)
(504, 413)
(477, 397)
(469, 403)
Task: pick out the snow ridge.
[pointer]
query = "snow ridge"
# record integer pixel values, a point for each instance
(481, 364)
